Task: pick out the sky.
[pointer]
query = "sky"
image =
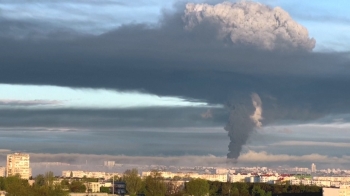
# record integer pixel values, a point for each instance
(155, 81)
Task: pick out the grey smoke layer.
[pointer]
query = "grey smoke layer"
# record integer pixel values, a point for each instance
(251, 23)
(168, 60)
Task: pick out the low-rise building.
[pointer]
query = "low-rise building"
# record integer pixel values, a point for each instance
(185, 175)
(344, 190)
(330, 191)
(214, 177)
(244, 177)
(87, 174)
(269, 179)
(92, 187)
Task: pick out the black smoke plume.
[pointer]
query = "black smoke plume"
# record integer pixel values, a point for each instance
(239, 128)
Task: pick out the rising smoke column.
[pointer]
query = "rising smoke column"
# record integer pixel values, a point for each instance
(250, 23)
(241, 124)
(238, 127)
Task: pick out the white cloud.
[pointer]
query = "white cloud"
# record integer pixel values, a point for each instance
(62, 97)
(311, 143)
(265, 157)
(187, 160)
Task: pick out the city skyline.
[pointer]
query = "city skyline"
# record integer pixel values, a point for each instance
(149, 81)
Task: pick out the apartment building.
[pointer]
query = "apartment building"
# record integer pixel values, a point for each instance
(2, 171)
(18, 163)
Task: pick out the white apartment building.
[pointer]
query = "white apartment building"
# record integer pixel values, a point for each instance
(221, 171)
(18, 163)
(244, 177)
(88, 174)
(306, 182)
(2, 171)
(167, 175)
(93, 187)
(313, 168)
(109, 163)
(341, 179)
(210, 177)
(214, 177)
(324, 183)
(330, 191)
(344, 190)
(270, 179)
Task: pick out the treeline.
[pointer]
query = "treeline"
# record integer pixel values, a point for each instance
(152, 185)
(260, 189)
(155, 185)
(43, 185)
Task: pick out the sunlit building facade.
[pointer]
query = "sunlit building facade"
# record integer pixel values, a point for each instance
(2, 171)
(313, 168)
(18, 163)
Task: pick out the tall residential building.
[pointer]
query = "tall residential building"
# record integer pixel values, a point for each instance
(18, 163)
(2, 171)
(109, 163)
(313, 168)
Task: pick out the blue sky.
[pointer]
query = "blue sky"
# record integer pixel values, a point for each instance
(327, 21)
(53, 97)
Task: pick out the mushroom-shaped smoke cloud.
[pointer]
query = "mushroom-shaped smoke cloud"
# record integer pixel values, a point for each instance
(254, 25)
(251, 23)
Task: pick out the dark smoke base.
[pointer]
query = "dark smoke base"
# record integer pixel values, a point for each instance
(239, 128)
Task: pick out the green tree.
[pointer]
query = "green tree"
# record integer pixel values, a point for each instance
(65, 184)
(242, 188)
(257, 191)
(133, 181)
(39, 180)
(197, 187)
(49, 178)
(226, 188)
(77, 187)
(105, 189)
(234, 192)
(15, 186)
(154, 184)
(44, 186)
(116, 178)
(2, 183)
(214, 187)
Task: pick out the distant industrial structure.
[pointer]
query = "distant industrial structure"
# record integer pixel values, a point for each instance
(109, 163)
(18, 163)
(313, 168)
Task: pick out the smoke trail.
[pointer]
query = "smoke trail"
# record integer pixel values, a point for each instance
(241, 123)
(257, 116)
